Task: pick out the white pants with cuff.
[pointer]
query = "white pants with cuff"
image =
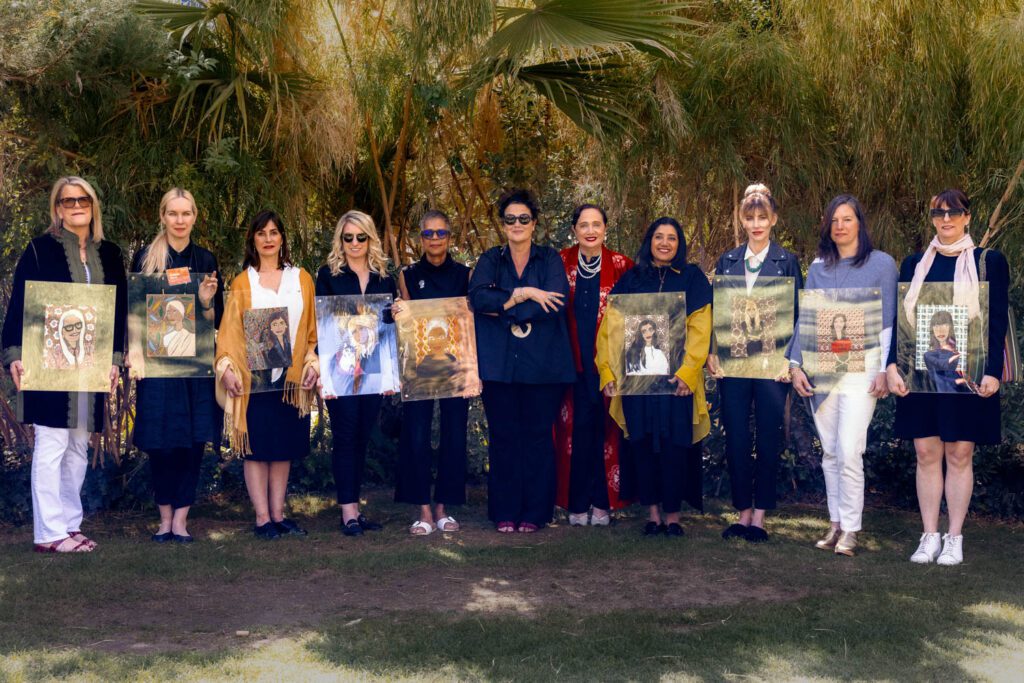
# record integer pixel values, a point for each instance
(842, 422)
(59, 463)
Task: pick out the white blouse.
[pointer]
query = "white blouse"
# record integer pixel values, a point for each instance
(288, 295)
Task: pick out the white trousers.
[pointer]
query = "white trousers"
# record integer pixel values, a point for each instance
(59, 462)
(842, 422)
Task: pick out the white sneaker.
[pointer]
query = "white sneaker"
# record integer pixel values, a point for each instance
(928, 549)
(952, 551)
(578, 518)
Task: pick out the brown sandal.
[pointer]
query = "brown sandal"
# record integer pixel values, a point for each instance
(83, 539)
(62, 546)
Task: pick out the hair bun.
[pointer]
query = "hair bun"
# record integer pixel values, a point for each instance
(757, 188)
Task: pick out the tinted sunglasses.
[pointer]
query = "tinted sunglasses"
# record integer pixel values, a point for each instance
(361, 237)
(72, 327)
(434, 234)
(952, 213)
(523, 218)
(85, 201)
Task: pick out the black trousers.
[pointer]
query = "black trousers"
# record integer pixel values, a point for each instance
(415, 455)
(175, 474)
(661, 476)
(587, 480)
(753, 479)
(521, 475)
(352, 420)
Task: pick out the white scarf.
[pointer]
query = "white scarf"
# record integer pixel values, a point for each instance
(965, 276)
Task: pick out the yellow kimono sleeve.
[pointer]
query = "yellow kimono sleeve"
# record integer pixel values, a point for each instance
(609, 360)
(698, 337)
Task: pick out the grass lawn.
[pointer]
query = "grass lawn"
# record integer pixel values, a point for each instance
(566, 604)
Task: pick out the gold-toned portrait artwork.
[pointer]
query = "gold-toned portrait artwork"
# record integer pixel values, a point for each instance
(69, 336)
(437, 349)
(170, 326)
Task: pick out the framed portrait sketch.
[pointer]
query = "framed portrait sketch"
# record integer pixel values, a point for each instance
(437, 349)
(68, 339)
(753, 328)
(268, 347)
(840, 333)
(942, 346)
(169, 333)
(648, 335)
(358, 350)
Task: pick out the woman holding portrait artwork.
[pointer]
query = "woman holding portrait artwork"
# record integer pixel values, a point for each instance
(517, 292)
(663, 433)
(270, 428)
(175, 417)
(945, 427)
(846, 259)
(436, 275)
(754, 479)
(356, 266)
(587, 439)
(72, 250)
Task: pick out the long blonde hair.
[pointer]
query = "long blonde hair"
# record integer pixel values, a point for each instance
(157, 252)
(95, 225)
(375, 257)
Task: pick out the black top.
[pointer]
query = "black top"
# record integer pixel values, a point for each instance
(998, 276)
(543, 356)
(197, 260)
(585, 305)
(777, 263)
(424, 280)
(51, 258)
(346, 283)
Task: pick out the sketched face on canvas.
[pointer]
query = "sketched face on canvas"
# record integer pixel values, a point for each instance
(646, 341)
(267, 338)
(69, 337)
(437, 362)
(171, 326)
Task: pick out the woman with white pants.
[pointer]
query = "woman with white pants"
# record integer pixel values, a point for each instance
(846, 260)
(72, 250)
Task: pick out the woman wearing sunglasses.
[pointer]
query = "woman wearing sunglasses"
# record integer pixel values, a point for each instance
(586, 437)
(436, 275)
(518, 294)
(356, 266)
(72, 250)
(946, 427)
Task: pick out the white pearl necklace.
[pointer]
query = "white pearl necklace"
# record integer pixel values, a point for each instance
(588, 270)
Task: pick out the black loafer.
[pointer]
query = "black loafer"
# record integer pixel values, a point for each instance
(756, 534)
(367, 525)
(287, 527)
(735, 531)
(268, 531)
(674, 529)
(652, 529)
(178, 538)
(351, 528)
(162, 538)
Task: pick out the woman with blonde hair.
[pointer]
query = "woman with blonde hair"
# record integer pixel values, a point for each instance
(177, 417)
(72, 250)
(356, 266)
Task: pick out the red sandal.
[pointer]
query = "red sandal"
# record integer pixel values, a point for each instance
(528, 528)
(62, 546)
(506, 527)
(82, 539)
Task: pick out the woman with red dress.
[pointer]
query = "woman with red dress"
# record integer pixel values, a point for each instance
(586, 438)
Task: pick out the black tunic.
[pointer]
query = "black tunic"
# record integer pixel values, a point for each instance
(55, 258)
(959, 417)
(174, 412)
(424, 280)
(586, 301)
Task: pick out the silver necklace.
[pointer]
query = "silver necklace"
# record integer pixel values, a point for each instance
(588, 270)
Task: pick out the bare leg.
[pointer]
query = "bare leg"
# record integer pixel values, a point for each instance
(671, 518)
(278, 488)
(746, 516)
(757, 519)
(959, 483)
(929, 481)
(166, 515)
(654, 514)
(427, 516)
(179, 523)
(349, 511)
(257, 475)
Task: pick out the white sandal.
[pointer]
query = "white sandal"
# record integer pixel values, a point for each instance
(421, 528)
(448, 523)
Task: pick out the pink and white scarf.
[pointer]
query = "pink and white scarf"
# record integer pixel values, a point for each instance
(965, 276)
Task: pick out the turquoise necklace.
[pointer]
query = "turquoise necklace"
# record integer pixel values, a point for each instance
(751, 268)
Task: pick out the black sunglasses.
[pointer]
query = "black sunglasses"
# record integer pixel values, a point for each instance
(361, 237)
(952, 213)
(523, 218)
(434, 234)
(85, 201)
(72, 327)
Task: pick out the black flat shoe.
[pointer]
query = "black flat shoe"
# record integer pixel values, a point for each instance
(178, 538)
(162, 538)
(674, 529)
(287, 527)
(735, 531)
(652, 529)
(756, 534)
(367, 525)
(351, 528)
(268, 532)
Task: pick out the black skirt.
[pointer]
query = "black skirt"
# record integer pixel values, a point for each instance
(276, 432)
(951, 417)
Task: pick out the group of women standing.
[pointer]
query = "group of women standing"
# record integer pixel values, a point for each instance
(559, 432)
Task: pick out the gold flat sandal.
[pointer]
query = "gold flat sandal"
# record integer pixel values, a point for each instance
(847, 543)
(828, 541)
